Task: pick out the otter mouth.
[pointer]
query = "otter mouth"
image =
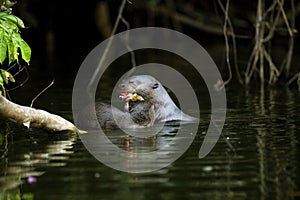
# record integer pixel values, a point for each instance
(125, 96)
(130, 97)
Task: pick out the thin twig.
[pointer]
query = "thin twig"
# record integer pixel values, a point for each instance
(132, 55)
(254, 64)
(21, 68)
(272, 27)
(107, 48)
(259, 38)
(261, 64)
(270, 9)
(254, 57)
(23, 83)
(12, 66)
(248, 67)
(233, 37)
(272, 65)
(289, 54)
(293, 79)
(225, 32)
(39, 94)
(285, 17)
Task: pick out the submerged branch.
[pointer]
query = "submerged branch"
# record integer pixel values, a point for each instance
(31, 117)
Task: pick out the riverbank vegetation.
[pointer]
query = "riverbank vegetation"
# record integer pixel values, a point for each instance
(267, 28)
(14, 50)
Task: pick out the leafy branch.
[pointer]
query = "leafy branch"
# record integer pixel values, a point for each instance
(11, 43)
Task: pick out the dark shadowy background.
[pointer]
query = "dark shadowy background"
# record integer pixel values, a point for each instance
(62, 33)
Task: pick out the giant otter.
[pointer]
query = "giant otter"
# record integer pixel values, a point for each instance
(152, 91)
(146, 103)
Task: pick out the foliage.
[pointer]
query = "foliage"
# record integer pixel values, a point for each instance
(11, 42)
(5, 76)
(10, 39)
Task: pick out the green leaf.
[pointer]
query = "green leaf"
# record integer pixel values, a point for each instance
(1, 81)
(16, 20)
(12, 19)
(11, 78)
(9, 26)
(6, 76)
(3, 75)
(11, 40)
(3, 47)
(25, 50)
(2, 91)
(13, 53)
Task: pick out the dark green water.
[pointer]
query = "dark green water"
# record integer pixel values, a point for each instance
(262, 126)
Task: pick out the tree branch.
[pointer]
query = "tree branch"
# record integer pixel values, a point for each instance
(34, 118)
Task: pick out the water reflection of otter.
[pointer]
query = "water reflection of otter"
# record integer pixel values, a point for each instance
(155, 105)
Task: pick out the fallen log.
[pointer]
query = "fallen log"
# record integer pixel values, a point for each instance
(34, 118)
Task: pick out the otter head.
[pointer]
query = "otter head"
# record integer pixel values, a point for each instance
(144, 86)
(150, 93)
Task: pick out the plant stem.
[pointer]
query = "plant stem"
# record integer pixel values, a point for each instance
(107, 48)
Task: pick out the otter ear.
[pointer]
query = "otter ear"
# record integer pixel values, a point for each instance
(155, 85)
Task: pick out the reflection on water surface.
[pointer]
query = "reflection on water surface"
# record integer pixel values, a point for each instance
(262, 126)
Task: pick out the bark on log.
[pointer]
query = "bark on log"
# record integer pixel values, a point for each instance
(35, 118)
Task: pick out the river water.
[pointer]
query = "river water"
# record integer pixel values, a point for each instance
(257, 157)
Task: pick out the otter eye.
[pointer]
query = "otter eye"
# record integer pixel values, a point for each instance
(155, 85)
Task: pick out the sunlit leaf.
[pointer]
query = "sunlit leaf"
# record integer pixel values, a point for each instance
(2, 89)
(11, 78)
(13, 50)
(25, 50)
(2, 14)
(6, 76)
(1, 81)
(8, 25)
(14, 19)
(11, 41)
(3, 48)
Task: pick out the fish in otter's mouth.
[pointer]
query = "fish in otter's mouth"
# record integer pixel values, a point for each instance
(130, 97)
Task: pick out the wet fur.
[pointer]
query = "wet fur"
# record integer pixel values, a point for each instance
(156, 107)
